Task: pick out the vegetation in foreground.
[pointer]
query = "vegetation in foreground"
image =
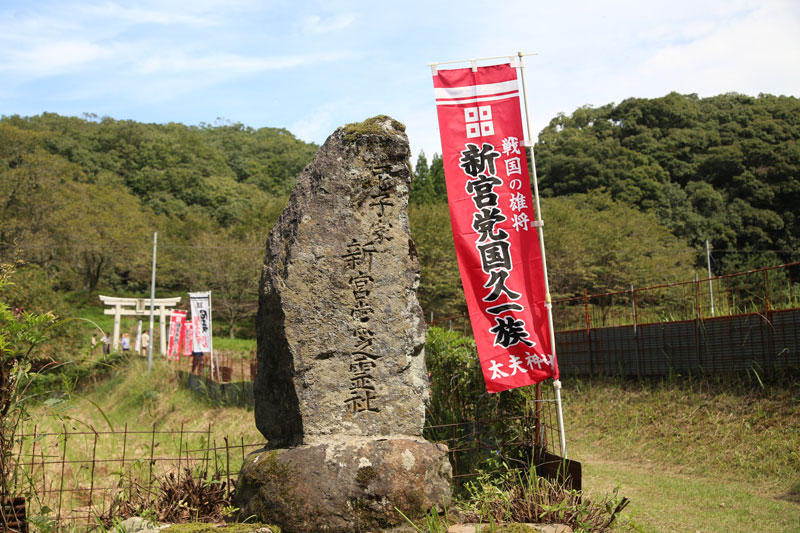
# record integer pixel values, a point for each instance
(692, 453)
(730, 445)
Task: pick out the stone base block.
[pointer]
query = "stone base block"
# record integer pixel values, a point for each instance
(344, 483)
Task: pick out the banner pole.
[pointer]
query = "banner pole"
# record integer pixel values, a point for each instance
(152, 304)
(540, 224)
(215, 363)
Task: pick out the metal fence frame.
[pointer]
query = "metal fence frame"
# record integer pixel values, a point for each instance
(68, 472)
(733, 323)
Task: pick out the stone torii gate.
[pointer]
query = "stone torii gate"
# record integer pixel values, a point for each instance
(140, 307)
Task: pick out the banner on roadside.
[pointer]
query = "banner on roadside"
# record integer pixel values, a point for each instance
(175, 346)
(200, 304)
(187, 338)
(494, 223)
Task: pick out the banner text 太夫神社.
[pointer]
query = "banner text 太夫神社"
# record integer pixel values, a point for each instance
(493, 217)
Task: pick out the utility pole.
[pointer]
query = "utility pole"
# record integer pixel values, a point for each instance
(152, 304)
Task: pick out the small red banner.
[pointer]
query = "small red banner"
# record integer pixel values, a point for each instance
(176, 320)
(492, 214)
(187, 336)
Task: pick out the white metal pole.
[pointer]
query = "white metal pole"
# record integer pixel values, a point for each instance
(211, 337)
(210, 345)
(540, 226)
(710, 285)
(152, 304)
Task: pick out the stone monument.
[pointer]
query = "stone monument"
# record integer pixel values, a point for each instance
(341, 385)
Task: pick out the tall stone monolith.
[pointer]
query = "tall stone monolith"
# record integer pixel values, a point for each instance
(341, 384)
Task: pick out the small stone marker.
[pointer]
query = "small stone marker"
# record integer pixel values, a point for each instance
(341, 371)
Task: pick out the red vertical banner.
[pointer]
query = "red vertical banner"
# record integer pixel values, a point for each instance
(176, 320)
(187, 334)
(493, 219)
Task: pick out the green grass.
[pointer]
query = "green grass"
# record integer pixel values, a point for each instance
(693, 455)
(133, 399)
(95, 314)
(666, 499)
(243, 346)
(140, 399)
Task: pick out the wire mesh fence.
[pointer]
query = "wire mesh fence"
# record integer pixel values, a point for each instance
(726, 323)
(79, 478)
(741, 322)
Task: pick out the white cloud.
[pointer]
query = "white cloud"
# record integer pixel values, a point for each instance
(52, 58)
(317, 126)
(121, 15)
(118, 56)
(315, 24)
(749, 55)
(223, 63)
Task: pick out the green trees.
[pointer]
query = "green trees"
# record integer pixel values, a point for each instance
(51, 215)
(230, 266)
(726, 168)
(593, 242)
(428, 186)
(440, 287)
(630, 190)
(81, 198)
(598, 244)
(173, 168)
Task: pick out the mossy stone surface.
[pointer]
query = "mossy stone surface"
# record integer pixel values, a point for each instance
(345, 484)
(371, 126)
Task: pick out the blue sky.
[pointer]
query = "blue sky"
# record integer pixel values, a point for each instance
(312, 66)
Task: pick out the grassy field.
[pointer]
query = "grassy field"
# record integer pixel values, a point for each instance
(692, 455)
(133, 415)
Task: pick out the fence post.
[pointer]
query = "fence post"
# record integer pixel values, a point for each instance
(150, 474)
(769, 349)
(697, 320)
(537, 428)
(208, 443)
(19, 461)
(44, 471)
(767, 306)
(227, 469)
(180, 449)
(455, 456)
(33, 455)
(639, 354)
(588, 331)
(124, 446)
(91, 475)
(63, 462)
(216, 466)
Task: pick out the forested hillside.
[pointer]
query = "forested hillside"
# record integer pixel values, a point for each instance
(631, 192)
(725, 168)
(81, 198)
